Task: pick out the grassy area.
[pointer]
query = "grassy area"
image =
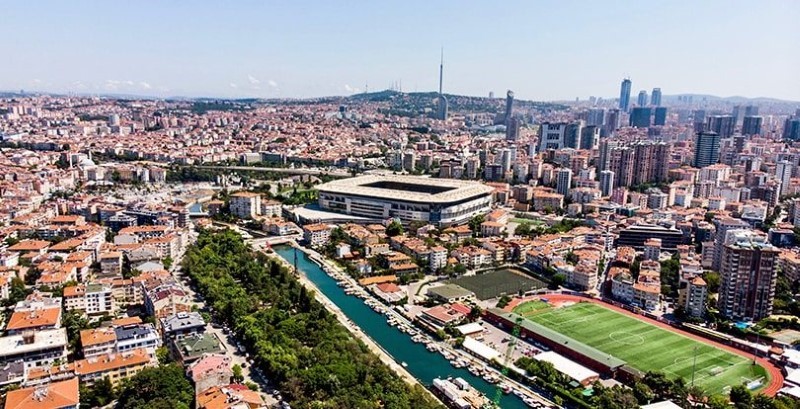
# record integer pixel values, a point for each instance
(497, 283)
(644, 346)
(531, 221)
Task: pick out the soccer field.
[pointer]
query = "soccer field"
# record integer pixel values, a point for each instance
(646, 347)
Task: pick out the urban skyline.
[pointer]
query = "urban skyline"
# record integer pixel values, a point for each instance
(269, 51)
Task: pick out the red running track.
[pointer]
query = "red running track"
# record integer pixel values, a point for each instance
(775, 375)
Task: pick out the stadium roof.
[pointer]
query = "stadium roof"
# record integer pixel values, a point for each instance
(407, 188)
(559, 338)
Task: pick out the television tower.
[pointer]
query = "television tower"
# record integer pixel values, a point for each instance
(441, 72)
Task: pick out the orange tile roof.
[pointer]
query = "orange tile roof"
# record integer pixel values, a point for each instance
(110, 362)
(97, 336)
(58, 395)
(47, 317)
(30, 245)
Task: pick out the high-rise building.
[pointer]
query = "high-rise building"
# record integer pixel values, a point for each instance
(613, 122)
(791, 129)
(749, 274)
(737, 113)
(509, 105)
(590, 136)
(625, 95)
(655, 97)
(642, 100)
(725, 227)
(557, 135)
(706, 149)
(751, 110)
(752, 125)
(512, 129)
(636, 163)
(783, 173)
(640, 117)
(606, 182)
(596, 117)
(723, 125)
(660, 117)
(564, 181)
(505, 159)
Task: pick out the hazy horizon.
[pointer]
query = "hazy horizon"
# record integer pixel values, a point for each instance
(544, 50)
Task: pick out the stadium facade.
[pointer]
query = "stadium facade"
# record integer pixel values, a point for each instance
(443, 202)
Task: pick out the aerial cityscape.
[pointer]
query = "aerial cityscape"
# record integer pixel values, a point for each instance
(257, 231)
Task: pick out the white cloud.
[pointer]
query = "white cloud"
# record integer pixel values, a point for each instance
(253, 80)
(129, 82)
(36, 81)
(350, 89)
(233, 85)
(272, 83)
(145, 85)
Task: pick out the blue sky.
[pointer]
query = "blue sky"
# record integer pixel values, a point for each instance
(543, 50)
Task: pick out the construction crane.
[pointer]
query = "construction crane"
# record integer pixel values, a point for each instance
(512, 343)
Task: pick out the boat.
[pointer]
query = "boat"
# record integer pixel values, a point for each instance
(404, 364)
(506, 388)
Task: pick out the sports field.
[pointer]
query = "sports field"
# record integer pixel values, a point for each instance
(499, 282)
(644, 346)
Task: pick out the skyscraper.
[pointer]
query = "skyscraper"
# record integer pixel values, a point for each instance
(640, 117)
(509, 105)
(737, 113)
(791, 129)
(564, 181)
(723, 125)
(660, 117)
(557, 135)
(625, 95)
(596, 116)
(706, 149)
(655, 97)
(642, 100)
(606, 182)
(512, 129)
(612, 122)
(783, 173)
(752, 125)
(751, 110)
(749, 275)
(590, 136)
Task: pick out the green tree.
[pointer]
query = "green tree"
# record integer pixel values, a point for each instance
(165, 386)
(98, 395)
(644, 395)
(74, 322)
(558, 280)
(238, 377)
(167, 262)
(475, 223)
(523, 229)
(718, 402)
(712, 279)
(395, 228)
(741, 397)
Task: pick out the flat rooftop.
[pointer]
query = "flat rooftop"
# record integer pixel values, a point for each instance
(43, 339)
(407, 188)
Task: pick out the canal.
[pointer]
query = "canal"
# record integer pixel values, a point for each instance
(424, 365)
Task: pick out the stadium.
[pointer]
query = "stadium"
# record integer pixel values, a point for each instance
(443, 202)
(625, 346)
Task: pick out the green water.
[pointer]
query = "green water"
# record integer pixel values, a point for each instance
(424, 365)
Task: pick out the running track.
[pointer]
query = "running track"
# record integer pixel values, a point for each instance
(775, 375)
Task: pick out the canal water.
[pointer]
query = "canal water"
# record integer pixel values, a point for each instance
(424, 365)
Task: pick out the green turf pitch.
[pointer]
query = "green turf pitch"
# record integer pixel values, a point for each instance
(644, 346)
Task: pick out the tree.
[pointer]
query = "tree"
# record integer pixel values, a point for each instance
(523, 229)
(712, 279)
(98, 395)
(558, 280)
(165, 386)
(17, 292)
(741, 397)
(475, 223)
(238, 377)
(167, 262)
(394, 229)
(762, 401)
(644, 395)
(718, 402)
(74, 322)
(162, 354)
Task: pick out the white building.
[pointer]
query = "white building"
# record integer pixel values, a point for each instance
(245, 205)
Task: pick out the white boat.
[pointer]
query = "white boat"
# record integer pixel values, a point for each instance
(404, 364)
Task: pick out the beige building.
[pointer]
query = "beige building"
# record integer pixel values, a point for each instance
(245, 205)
